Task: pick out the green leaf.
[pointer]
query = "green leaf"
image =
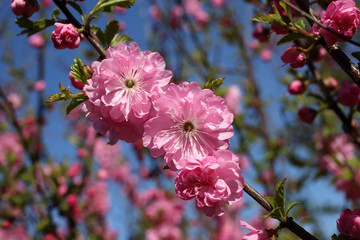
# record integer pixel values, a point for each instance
(119, 3)
(214, 84)
(64, 94)
(270, 19)
(77, 71)
(356, 55)
(120, 39)
(110, 31)
(55, 13)
(76, 102)
(31, 27)
(287, 10)
(300, 24)
(100, 35)
(75, 6)
(275, 213)
(290, 37)
(289, 207)
(271, 200)
(279, 196)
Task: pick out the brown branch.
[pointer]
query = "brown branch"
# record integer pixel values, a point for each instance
(289, 223)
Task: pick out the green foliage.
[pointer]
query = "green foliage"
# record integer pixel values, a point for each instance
(279, 211)
(31, 27)
(214, 84)
(65, 94)
(76, 102)
(270, 19)
(110, 31)
(77, 71)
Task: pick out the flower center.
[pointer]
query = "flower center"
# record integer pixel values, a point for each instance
(188, 127)
(129, 83)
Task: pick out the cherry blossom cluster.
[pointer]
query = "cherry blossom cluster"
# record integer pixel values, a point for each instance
(131, 98)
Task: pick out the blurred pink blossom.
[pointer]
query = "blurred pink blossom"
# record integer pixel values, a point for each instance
(255, 234)
(24, 8)
(348, 94)
(232, 98)
(36, 40)
(39, 85)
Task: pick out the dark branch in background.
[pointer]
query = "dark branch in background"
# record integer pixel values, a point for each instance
(77, 24)
(289, 223)
(335, 52)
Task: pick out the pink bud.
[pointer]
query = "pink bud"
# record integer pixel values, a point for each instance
(218, 3)
(295, 56)
(279, 30)
(296, 87)
(24, 8)
(82, 152)
(74, 170)
(349, 223)
(71, 200)
(331, 83)
(65, 36)
(120, 9)
(266, 54)
(122, 25)
(76, 83)
(39, 85)
(307, 115)
(36, 40)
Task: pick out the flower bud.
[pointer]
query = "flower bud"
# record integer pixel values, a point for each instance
(331, 83)
(65, 36)
(24, 8)
(349, 223)
(307, 115)
(296, 87)
(76, 83)
(295, 56)
(348, 94)
(260, 33)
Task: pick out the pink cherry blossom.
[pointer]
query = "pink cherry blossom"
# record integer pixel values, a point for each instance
(121, 89)
(11, 152)
(189, 122)
(349, 223)
(294, 56)
(65, 36)
(343, 17)
(255, 234)
(212, 180)
(24, 8)
(96, 198)
(36, 40)
(233, 98)
(349, 186)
